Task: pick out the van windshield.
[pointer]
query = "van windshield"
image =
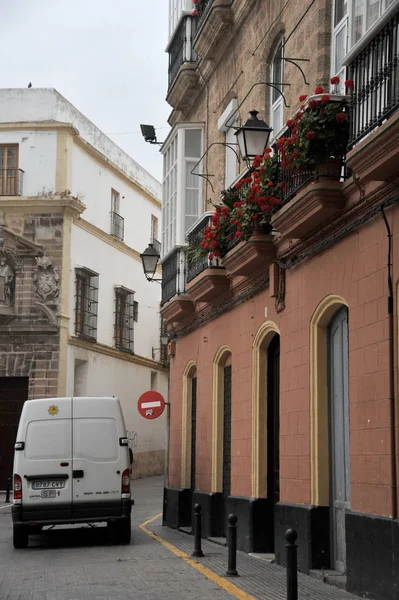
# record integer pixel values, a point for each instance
(48, 440)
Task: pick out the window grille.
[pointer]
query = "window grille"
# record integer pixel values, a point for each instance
(124, 319)
(86, 304)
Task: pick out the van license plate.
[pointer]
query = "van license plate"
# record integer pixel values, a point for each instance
(45, 485)
(48, 493)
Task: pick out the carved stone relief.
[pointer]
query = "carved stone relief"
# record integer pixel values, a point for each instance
(7, 281)
(46, 281)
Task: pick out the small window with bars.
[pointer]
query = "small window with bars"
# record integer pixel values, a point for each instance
(86, 304)
(154, 229)
(117, 222)
(124, 319)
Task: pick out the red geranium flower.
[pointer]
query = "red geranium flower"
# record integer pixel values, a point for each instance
(325, 98)
(340, 117)
(312, 104)
(334, 80)
(310, 135)
(302, 98)
(211, 256)
(319, 89)
(238, 185)
(349, 83)
(289, 123)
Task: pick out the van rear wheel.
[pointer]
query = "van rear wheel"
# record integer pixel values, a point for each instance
(20, 537)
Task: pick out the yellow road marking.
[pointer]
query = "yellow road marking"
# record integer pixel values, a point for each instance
(209, 574)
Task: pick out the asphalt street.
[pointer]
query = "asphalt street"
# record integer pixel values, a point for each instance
(81, 564)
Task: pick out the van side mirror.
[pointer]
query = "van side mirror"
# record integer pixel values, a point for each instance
(131, 456)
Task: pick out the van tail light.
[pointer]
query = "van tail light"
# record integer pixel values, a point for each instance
(17, 487)
(126, 482)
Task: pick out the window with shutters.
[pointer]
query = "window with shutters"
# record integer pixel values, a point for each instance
(124, 319)
(10, 175)
(86, 304)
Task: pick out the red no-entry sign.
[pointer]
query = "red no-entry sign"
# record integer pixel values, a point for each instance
(151, 405)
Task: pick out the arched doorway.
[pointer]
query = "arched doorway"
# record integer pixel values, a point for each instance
(329, 423)
(221, 431)
(266, 426)
(189, 426)
(338, 406)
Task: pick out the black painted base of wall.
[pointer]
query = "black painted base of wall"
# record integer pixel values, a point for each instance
(312, 524)
(372, 542)
(255, 528)
(176, 508)
(212, 505)
(372, 554)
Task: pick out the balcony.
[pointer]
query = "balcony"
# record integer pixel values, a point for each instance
(206, 279)
(117, 226)
(11, 181)
(374, 133)
(183, 78)
(175, 304)
(214, 28)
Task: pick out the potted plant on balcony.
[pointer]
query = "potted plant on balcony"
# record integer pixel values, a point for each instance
(319, 134)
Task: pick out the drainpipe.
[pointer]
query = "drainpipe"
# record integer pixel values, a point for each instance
(392, 408)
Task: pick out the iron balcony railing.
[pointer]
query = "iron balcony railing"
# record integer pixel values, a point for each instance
(197, 257)
(203, 7)
(375, 74)
(181, 48)
(171, 276)
(11, 181)
(117, 226)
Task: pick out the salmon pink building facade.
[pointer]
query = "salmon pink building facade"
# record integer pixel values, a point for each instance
(281, 304)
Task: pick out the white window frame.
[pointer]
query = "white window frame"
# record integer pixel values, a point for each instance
(224, 125)
(173, 229)
(277, 104)
(178, 9)
(347, 21)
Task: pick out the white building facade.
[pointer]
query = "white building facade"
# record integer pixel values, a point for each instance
(105, 315)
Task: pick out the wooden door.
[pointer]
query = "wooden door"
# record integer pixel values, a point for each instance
(339, 436)
(13, 393)
(273, 425)
(193, 430)
(226, 439)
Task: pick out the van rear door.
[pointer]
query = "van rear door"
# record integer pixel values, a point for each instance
(45, 463)
(98, 458)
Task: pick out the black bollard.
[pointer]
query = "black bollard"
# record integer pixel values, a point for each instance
(292, 570)
(8, 490)
(197, 531)
(232, 546)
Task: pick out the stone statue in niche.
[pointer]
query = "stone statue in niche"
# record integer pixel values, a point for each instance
(46, 280)
(7, 278)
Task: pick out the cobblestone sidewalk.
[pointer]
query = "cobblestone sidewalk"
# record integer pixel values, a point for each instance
(257, 577)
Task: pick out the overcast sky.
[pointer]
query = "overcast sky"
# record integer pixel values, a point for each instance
(105, 56)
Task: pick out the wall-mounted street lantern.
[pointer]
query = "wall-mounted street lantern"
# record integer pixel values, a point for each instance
(150, 258)
(253, 137)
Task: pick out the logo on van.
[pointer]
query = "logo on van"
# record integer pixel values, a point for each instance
(53, 410)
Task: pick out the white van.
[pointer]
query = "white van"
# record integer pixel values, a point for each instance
(71, 465)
